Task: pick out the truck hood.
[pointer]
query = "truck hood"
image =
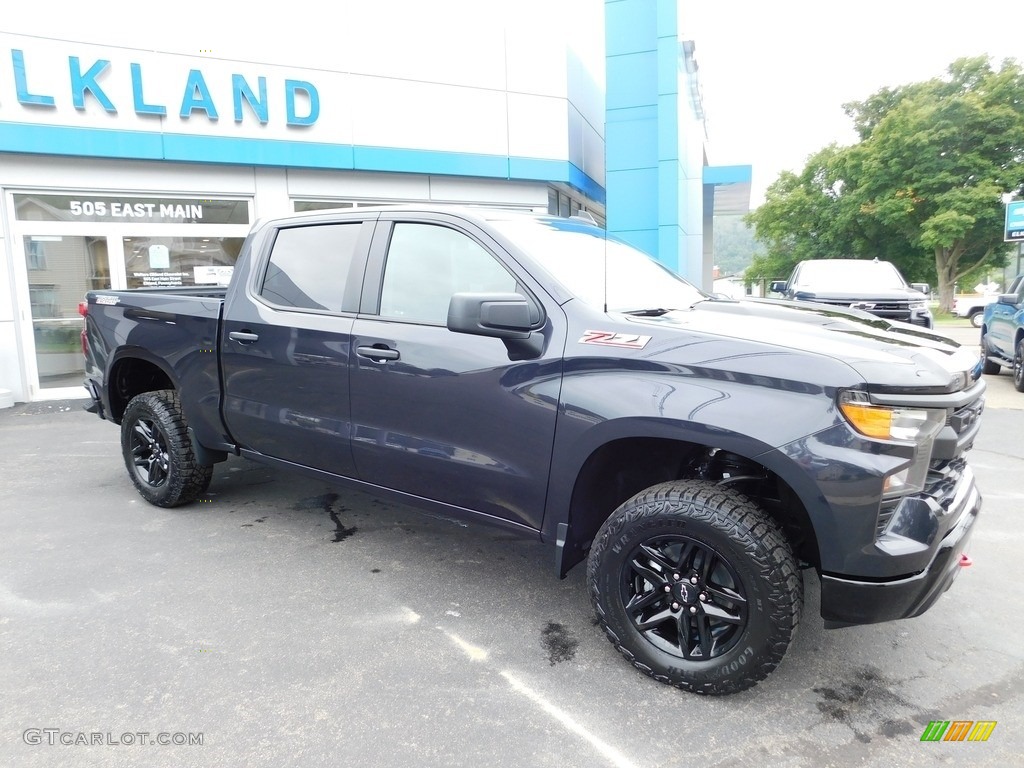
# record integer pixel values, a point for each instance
(890, 355)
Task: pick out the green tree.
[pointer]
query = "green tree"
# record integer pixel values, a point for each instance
(735, 245)
(922, 187)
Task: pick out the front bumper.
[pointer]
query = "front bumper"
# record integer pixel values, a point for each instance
(848, 601)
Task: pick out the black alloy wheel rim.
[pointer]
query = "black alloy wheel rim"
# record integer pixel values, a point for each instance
(1018, 364)
(684, 598)
(150, 456)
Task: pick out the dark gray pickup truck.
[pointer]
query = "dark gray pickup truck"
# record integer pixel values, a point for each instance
(531, 373)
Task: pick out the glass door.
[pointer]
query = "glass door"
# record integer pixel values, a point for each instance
(61, 269)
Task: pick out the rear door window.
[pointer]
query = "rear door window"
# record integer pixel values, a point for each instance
(309, 266)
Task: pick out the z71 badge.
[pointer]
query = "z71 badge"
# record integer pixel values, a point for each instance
(609, 339)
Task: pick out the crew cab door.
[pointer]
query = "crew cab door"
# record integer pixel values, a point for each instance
(1004, 321)
(285, 344)
(448, 416)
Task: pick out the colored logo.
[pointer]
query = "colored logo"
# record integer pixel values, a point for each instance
(958, 730)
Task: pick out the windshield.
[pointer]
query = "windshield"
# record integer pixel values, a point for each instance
(579, 255)
(847, 276)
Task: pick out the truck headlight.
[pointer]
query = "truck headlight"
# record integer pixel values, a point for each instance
(906, 425)
(919, 305)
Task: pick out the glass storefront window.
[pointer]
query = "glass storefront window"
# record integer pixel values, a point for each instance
(61, 269)
(154, 262)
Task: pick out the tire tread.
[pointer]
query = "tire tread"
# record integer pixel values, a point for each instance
(748, 525)
(188, 478)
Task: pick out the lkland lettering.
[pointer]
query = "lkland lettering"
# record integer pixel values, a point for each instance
(300, 97)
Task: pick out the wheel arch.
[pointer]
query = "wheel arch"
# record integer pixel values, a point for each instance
(624, 465)
(131, 372)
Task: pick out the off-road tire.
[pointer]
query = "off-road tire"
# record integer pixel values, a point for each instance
(988, 367)
(742, 544)
(158, 453)
(1018, 366)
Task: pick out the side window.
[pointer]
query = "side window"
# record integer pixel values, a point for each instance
(309, 266)
(426, 264)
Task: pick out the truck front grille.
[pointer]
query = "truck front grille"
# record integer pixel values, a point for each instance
(890, 310)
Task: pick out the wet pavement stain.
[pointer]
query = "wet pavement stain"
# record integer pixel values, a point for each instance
(560, 645)
(325, 503)
(861, 705)
(893, 728)
(340, 531)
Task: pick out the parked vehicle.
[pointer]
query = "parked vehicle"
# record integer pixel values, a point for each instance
(973, 307)
(870, 285)
(531, 373)
(1002, 335)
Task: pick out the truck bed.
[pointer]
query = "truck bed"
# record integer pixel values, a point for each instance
(176, 329)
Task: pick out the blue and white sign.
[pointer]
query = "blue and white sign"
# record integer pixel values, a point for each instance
(488, 107)
(1015, 222)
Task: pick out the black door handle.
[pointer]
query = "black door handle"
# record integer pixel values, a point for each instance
(243, 336)
(377, 353)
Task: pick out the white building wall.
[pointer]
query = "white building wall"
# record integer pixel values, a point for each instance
(445, 76)
(448, 101)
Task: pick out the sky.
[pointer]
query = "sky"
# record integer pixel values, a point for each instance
(775, 73)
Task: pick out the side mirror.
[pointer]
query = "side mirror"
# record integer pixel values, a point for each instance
(777, 286)
(922, 287)
(498, 315)
(1008, 298)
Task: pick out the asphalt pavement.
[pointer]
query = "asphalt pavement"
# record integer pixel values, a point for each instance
(285, 622)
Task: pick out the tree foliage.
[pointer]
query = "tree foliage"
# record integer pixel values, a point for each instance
(922, 188)
(735, 244)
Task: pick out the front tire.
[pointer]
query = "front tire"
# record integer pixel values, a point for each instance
(696, 586)
(1018, 366)
(158, 453)
(977, 317)
(988, 367)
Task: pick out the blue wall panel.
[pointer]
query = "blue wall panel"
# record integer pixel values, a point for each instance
(646, 178)
(639, 71)
(631, 203)
(632, 153)
(634, 29)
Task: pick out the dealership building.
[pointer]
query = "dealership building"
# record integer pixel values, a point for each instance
(128, 164)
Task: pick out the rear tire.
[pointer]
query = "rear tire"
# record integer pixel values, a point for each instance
(158, 453)
(977, 317)
(696, 586)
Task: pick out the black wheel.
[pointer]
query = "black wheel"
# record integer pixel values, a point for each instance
(977, 317)
(696, 586)
(988, 367)
(1018, 366)
(158, 452)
